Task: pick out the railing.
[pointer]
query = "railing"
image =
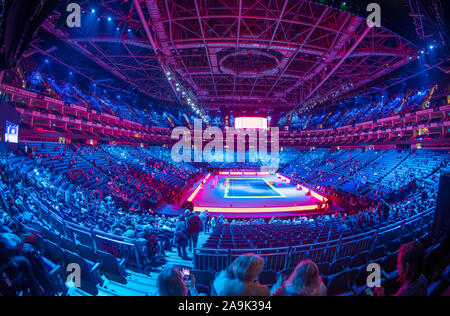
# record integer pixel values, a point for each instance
(279, 259)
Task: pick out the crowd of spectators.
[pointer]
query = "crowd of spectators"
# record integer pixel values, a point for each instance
(241, 278)
(86, 208)
(89, 209)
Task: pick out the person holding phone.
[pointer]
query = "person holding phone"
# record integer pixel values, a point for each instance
(180, 239)
(173, 282)
(410, 266)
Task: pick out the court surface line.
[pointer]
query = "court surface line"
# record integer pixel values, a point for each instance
(280, 195)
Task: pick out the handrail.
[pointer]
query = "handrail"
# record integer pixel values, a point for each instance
(279, 259)
(341, 241)
(120, 242)
(98, 233)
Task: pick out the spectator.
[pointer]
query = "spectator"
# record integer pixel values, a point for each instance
(12, 261)
(220, 220)
(304, 281)
(194, 227)
(410, 266)
(241, 278)
(171, 283)
(152, 245)
(204, 217)
(213, 222)
(180, 239)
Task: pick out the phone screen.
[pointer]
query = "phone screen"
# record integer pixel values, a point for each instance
(186, 273)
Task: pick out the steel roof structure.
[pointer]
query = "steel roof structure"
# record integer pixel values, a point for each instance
(266, 55)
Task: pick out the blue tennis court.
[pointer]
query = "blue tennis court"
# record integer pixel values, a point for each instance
(258, 188)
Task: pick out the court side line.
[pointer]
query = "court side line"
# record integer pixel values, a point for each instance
(280, 195)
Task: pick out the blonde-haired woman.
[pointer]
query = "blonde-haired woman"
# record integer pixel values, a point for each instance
(304, 281)
(241, 278)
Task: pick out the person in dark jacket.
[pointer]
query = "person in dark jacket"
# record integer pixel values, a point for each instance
(180, 239)
(12, 261)
(194, 227)
(410, 266)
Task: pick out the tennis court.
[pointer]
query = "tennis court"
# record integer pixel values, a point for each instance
(250, 188)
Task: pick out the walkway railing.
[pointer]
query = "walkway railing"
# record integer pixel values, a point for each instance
(279, 259)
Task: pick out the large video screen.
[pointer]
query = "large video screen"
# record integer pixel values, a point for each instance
(11, 133)
(251, 123)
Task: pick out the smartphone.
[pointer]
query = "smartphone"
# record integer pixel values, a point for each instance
(186, 274)
(368, 292)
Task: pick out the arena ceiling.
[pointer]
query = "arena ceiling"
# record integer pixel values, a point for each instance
(270, 55)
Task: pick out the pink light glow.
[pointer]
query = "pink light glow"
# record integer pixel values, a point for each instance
(240, 173)
(249, 210)
(284, 178)
(194, 194)
(251, 123)
(313, 194)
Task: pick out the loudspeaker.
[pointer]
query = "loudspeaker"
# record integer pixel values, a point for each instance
(441, 224)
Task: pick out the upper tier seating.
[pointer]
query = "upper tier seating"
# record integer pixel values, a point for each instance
(353, 111)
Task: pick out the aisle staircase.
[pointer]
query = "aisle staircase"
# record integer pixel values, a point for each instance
(140, 284)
